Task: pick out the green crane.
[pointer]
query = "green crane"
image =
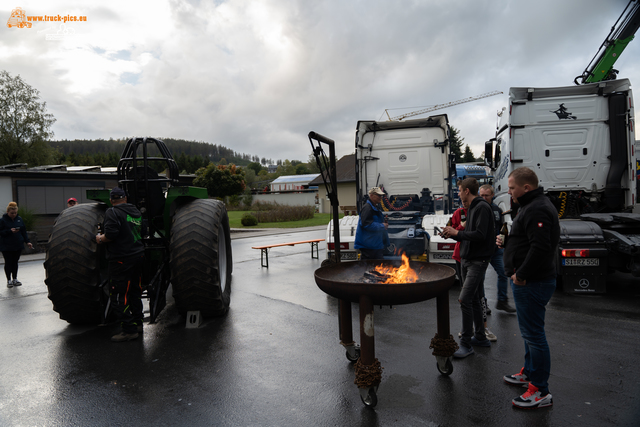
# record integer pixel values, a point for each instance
(601, 66)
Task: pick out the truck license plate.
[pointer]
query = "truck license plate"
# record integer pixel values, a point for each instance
(442, 256)
(581, 262)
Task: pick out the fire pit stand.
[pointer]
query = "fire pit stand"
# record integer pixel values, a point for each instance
(344, 281)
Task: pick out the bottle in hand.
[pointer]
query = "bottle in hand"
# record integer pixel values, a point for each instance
(504, 233)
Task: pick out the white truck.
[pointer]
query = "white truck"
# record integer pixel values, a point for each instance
(580, 142)
(412, 163)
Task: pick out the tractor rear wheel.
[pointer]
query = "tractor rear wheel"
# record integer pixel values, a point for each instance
(74, 267)
(200, 258)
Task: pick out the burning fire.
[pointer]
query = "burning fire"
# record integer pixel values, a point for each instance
(402, 274)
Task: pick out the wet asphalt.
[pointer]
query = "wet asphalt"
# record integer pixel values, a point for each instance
(275, 358)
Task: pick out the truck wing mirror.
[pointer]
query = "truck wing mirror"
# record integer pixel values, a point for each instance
(488, 154)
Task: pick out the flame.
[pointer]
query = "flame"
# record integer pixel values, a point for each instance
(402, 274)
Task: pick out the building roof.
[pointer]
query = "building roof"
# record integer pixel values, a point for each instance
(84, 169)
(345, 171)
(291, 179)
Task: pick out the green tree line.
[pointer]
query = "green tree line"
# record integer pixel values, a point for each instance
(192, 149)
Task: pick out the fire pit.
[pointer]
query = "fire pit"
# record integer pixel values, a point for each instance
(364, 282)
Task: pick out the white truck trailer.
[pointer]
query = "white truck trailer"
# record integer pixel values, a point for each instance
(580, 142)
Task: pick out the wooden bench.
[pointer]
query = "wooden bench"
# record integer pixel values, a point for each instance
(264, 250)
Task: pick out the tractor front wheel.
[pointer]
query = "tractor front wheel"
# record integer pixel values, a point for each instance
(200, 258)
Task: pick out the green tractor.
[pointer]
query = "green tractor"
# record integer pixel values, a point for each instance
(187, 243)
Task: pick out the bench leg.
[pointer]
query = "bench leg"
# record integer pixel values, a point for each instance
(264, 256)
(315, 245)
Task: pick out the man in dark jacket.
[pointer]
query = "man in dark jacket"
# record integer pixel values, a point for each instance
(477, 244)
(371, 235)
(125, 253)
(530, 260)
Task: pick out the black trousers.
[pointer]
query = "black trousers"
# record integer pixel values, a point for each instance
(125, 277)
(11, 259)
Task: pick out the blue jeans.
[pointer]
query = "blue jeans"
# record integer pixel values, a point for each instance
(531, 300)
(472, 290)
(497, 263)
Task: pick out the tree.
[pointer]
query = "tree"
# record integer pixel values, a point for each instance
(220, 180)
(255, 166)
(312, 165)
(288, 168)
(302, 169)
(468, 155)
(455, 143)
(25, 125)
(249, 176)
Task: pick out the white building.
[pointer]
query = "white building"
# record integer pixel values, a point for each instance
(292, 182)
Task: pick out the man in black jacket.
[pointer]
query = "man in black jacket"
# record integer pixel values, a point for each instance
(477, 244)
(125, 253)
(530, 260)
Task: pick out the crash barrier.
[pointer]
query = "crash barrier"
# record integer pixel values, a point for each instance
(264, 250)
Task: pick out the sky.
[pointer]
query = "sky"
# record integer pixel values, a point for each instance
(257, 75)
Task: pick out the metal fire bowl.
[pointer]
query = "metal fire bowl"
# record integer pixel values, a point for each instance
(344, 281)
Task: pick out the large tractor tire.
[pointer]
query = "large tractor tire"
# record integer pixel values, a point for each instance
(200, 258)
(74, 267)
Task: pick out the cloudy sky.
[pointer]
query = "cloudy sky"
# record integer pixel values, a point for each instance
(258, 75)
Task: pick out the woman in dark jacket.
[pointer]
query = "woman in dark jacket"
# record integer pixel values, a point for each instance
(13, 236)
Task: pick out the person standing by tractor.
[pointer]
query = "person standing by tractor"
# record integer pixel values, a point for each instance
(371, 235)
(487, 193)
(530, 259)
(477, 245)
(125, 253)
(13, 236)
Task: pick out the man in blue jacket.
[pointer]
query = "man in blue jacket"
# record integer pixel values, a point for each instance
(371, 235)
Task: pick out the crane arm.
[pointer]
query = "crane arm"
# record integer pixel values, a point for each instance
(623, 31)
(440, 106)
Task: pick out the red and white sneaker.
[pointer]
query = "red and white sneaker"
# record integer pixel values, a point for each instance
(531, 399)
(517, 379)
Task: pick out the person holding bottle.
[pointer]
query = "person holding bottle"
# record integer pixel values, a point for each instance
(487, 193)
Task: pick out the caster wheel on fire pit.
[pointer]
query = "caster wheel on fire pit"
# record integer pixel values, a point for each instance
(368, 396)
(445, 367)
(355, 356)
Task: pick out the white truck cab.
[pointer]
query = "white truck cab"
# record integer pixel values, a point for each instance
(579, 140)
(411, 162)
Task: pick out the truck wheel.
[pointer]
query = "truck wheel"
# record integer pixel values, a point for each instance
(73, 266)
(200, 258)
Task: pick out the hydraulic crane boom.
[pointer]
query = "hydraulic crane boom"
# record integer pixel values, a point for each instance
(601, 66)
(439, 106)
